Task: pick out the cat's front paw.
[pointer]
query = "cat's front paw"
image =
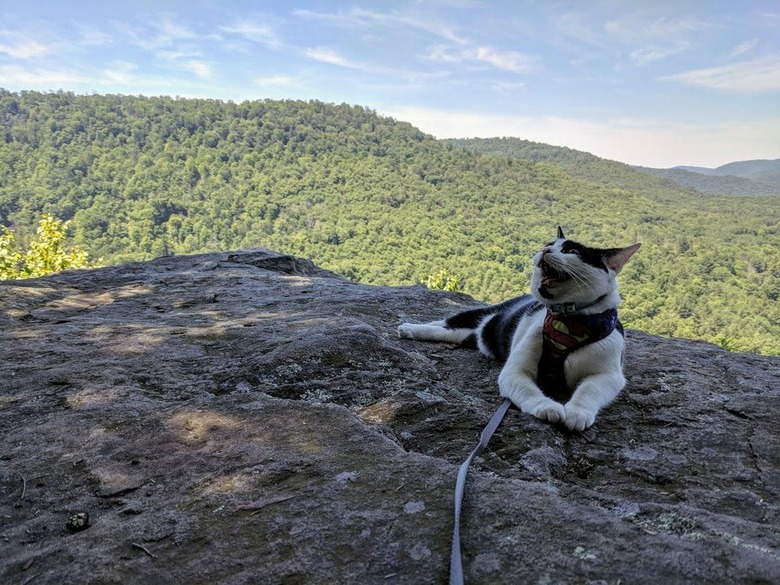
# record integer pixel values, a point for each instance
(578, 418)
(529, 399)
(550, 411)
(406, 331)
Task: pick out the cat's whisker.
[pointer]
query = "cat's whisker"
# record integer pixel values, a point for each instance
(580, 278)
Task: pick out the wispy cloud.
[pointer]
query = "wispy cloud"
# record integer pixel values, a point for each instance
(757, 75)
(326, 55)
(454, 47)
(647, 36)
(507, 87)
(507, 60)
(744, 47)
(575, 26)
(39, 77)
(186, 60)
(21, 46)
(362, 19)
(282, 81)
(121, 72)
(157, 35)
(91, 36)
(646, 55)
(634, 27)
(139, 80)
(512, 61)
(200, 69)
(333, 57)
(256, 31)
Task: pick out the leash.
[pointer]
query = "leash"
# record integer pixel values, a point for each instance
(456, 559)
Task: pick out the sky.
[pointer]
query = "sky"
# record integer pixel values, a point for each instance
(656, 83)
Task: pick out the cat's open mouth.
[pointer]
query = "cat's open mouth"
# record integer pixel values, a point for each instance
(551, 275)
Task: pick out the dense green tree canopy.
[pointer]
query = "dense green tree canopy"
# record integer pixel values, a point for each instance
(381, 202)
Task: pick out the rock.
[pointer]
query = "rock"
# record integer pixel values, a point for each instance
(248, 417)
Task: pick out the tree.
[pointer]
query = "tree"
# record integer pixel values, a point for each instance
(443, 280)
(47, 252)
(10, 259)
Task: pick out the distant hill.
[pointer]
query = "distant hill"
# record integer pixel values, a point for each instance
(748, 177)
(764, 171)
(575, 163)
(714, 183)
(590, 167)
(380, 202)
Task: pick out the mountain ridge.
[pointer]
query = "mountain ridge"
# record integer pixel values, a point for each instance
(763, 170)
(715, 183)
(749, 177)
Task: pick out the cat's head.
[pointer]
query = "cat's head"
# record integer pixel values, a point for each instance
(566, 271)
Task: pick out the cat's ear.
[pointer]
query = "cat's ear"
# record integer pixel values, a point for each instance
(617, 258)
(560, 233)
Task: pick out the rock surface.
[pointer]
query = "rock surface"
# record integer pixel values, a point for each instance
(250, 418)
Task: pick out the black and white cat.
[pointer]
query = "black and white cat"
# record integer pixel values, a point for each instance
(562, 345)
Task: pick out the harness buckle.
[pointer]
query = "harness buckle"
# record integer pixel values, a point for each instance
(565, 308)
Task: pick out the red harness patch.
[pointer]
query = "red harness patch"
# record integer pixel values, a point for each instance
(563, 334)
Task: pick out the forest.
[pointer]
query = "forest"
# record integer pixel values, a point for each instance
(381, 202)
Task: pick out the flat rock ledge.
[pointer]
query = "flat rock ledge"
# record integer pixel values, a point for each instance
(248, 417)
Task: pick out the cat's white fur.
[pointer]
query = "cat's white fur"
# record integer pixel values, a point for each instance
(595, 370)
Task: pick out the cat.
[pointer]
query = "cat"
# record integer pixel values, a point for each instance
(562, 345)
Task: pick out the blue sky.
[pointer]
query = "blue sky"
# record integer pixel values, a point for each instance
(658, 83)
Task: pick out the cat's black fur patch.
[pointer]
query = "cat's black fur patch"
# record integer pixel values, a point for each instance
(498, 331)
(591, 256)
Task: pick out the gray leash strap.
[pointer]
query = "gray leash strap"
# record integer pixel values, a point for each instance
(456, 560)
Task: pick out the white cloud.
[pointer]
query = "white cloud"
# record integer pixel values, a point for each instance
(651, 142)
(200, 69)
(573, 25)
(507, 87)
(647, 55)
(170, 55)
(506, 60)
(443, 54)
(20, 46)
(171, 31)
(121, 72)
(91, 36)
(634, 27)
(282, 81)
(326, 55)
(755, 76)
(647, 34)
(255, 31)
(512, 61)
(332, 57)
(187, 60)
(38, 77)
(158, 34)
(362, 19)
(744, 47)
